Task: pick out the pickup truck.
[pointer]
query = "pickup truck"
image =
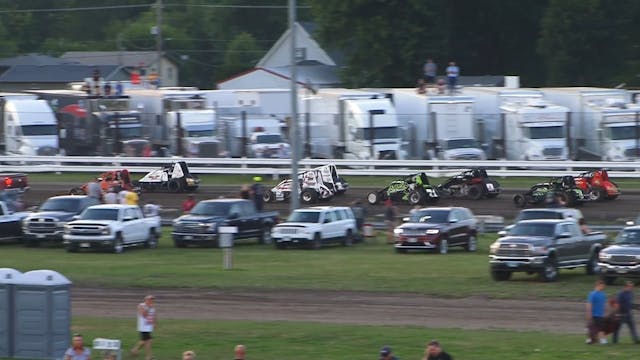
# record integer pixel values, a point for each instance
(542, 247)
(201, 225)
(111, 226)
(18, 181)
(10, 223)
(622, 258)
(47, 223)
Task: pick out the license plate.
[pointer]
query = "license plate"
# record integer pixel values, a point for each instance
(40, 236)
(512, 264)
(286, 238)
(188, 237)
(85, 245)
(413, 240)
(621, 271)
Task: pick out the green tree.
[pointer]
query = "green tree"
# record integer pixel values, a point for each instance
(242, 54)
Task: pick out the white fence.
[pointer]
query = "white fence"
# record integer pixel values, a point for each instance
(279, 167)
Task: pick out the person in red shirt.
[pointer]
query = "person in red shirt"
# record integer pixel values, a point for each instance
(188, 204)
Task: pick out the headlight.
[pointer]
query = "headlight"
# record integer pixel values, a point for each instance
(60, 224)
(212, 227)
(275, 230)
(432, 231)
(604, 256)
(398, 231)
(494, 247)
(637, 257)
(539, 249)
(67, 229)
(105, 231)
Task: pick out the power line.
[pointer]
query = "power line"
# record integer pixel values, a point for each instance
(75, 9)
(240, 6)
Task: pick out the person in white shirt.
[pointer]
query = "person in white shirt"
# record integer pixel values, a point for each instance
(122, 196)
(111, 197)
(151, 209)
(146, 322)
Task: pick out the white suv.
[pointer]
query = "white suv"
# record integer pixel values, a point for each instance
(315, 226)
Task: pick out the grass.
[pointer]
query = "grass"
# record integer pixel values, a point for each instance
(372, 266)
(359, 181)
(213, 340)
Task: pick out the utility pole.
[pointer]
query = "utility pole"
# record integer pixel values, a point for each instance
(159, 39)
(295, 139)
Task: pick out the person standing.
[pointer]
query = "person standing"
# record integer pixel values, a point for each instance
(434, 352)
(625, 312)
(387, 354)
(390, 214)
(430, 70)
(131, 198)
(122, 196)
(453, 72)
(596, 306)
(77, 351)
(257, 192)
(188, 204)
(146, 324)
(239, 352)
(111, 197)
(94, 190)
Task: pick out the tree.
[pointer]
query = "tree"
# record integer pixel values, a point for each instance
(242, 54)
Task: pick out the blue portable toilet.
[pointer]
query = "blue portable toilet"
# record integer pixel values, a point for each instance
(8, 277)
(42, 324)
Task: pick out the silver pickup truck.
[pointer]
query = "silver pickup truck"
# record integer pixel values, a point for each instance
(542, 247)
(113, 227)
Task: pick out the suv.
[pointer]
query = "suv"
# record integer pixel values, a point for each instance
(550, 213)
(315, 226)
(622, 258)
(437, 228)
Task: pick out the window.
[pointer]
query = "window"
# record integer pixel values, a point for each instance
(340, 214)
(301, 54)
(329, 216)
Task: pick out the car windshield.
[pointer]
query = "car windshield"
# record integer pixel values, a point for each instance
(622, 132)
(39, 130)
(628, 237)
(211, 209)
(304, 216)
(461, 143)
(67, 205)
(430, 216)
(544, 132)
(99, 214)
(528, 229)
(268, 139)
(533, 215)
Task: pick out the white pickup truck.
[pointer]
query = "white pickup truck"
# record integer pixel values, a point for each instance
(113, 227)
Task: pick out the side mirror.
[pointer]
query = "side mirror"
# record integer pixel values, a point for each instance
(502, 233)
(453, 221)
(127, 218)
(234, 215)
(326, 221)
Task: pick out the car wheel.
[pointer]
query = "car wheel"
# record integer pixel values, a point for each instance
(519, 200)
(500, 275)
(475, 192)
(550, 270)
(267, 196)
(373, 198)
(118, 245)
(443, 248)
(472, 243)
(609, 280)
(592, 266)
(178, 243)
(152, 240)
(265, 235)
(415, 198)
(348, 239)
(309, 196)
(174, 186)
(317, 242)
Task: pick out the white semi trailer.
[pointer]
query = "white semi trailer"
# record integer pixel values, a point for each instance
(604, 124)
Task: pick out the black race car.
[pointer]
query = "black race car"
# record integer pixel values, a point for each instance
(414, 189)
(473, 184)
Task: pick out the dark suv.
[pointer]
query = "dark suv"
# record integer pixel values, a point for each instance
(437, 228)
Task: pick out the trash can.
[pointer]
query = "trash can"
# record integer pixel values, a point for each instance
(42, 324)
(8, 277)
(367, 230)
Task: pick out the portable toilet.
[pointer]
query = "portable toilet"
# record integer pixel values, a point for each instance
(8, 278)
(42, 325)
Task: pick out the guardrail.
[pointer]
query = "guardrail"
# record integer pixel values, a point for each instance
(277, 167)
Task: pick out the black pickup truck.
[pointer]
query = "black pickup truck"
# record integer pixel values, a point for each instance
(544, 246)
(622, 258)
(201, 225)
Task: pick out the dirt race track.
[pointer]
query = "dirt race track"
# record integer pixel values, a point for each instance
(346, 307)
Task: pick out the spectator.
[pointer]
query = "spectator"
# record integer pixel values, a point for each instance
(625, 312)
(239, 352)
(122, 195)
(119, 89)
(452, 76)
(151, 209)
(147, 151)
(390, 214)
(596, 303)
(360, 213)
(583, 226)
(245, 192)
(188, 355)
(283, 152)
(188, 204)
(107, 89)
(387, 354)
(421, 87)
(257, 191)
(441, 86)
(131, 198)
(434, 352)
(146, 325)
(94, 190)
(430, 70)
(111, 197)
(77, 351)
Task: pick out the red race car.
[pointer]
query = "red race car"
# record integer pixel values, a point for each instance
(596, 185)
